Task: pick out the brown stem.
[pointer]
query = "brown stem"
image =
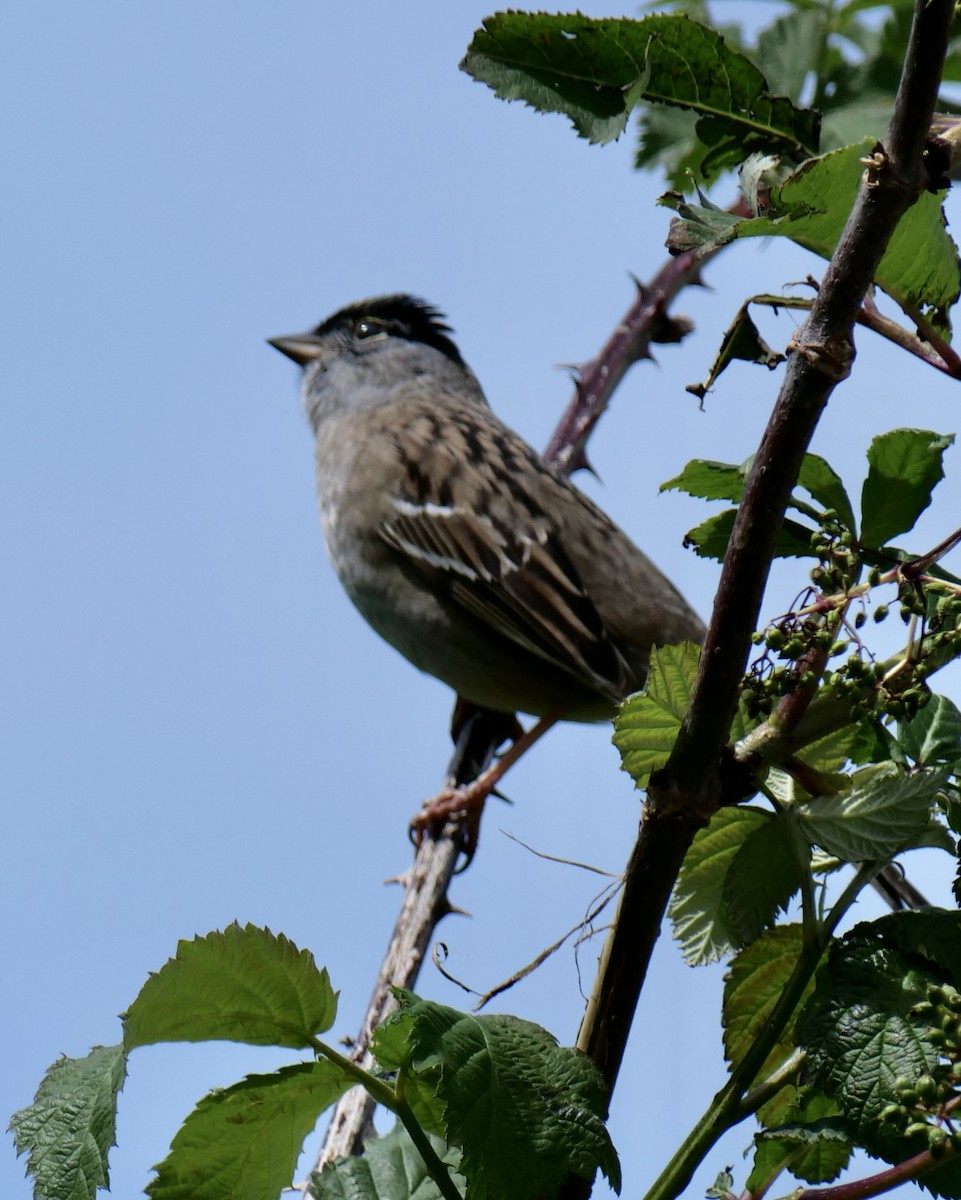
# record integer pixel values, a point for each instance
(424, 904)
(932, 348)
(644, 322)
(883, 1181)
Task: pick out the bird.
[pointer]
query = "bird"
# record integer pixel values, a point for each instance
(456, 541)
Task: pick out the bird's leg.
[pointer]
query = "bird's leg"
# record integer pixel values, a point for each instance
(477, 733)
(467, 800)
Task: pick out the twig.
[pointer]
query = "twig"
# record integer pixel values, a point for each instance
(883, 1181)
(424, 904)
(931, 348)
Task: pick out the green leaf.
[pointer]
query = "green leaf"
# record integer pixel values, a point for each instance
(820, 479)
(919, 269)
(701, 923)
(830, 753)
(873, 821)
(861, 1032)
(932, 934)
(700, 227)
(245, 1140)
(789, 49)
(810, 1143)
(391, 1048)
(710, 480)
(934, 735)
(596, 71)
(710, 538)
(647, 724)
(524, 1111)
(744, 722)
(875, 743)
(391, 1168)
(668, 139)
(68, 1130)
(764, 876)
(904, 466)
(242, 985)
(752, 987)
(742, 340)
(861, 118)
(725, 481)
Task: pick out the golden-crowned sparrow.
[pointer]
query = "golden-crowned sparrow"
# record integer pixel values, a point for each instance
(453, 537)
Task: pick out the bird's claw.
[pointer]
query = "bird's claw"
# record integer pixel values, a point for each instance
(459, 807)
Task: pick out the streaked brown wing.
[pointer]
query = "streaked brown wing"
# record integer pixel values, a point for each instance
(521, 583)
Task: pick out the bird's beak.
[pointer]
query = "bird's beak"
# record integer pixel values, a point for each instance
(301, 347)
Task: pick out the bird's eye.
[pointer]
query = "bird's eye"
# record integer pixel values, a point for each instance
(369, 329)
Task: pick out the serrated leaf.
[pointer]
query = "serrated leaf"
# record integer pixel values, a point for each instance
(69, 1129)
(861, 1033)
(904, 466)
(710, 538)
(818, 477)
(595, 71)
(872, 822)
(700, 921)
(764, 876)
(830, 753)
(753, 985)
(710, 480)
(524, 1111)
(647, 724)
(243, 985)
(391, 1048)
(933, 934)
(810, 1143)
(391, 1168)
(244, 1141)
(934, 734)
(919, 269)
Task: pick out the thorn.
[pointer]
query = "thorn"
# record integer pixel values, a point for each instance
(501, 796)
(643, 290)
(580, 462)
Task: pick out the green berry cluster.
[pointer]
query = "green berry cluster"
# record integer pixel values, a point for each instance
(839, 562)
(799, 646)
(924, 1105)
(796, 648)
(864, 684)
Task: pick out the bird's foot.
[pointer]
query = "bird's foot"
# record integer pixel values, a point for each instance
(460, 807)
(464, 804)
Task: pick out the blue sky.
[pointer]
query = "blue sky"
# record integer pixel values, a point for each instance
(198, 727)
